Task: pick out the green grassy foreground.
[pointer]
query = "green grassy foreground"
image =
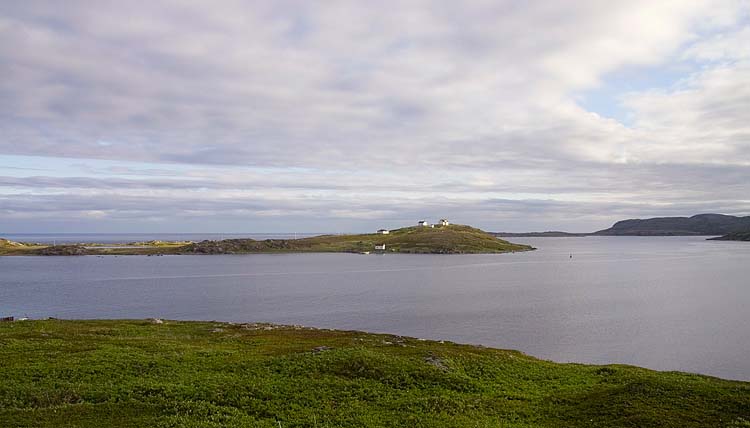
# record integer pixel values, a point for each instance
(453, 239)
(207, 374)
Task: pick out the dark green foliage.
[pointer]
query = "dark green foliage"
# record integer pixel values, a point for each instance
(736, 236)
(63, 250)
(453, 239)
(701, 224)
(199, 374)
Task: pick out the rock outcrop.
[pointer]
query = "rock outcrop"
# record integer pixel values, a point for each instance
(63, 250)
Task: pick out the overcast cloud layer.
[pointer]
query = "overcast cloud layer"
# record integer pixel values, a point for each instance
(255, 116)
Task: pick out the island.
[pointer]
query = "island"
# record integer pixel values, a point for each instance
(421, 239)
(163, 373)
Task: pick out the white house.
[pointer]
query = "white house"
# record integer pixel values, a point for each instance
(383, 231)
(444, 222)
(380, 247)
(423, 223)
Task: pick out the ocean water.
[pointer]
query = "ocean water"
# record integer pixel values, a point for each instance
(667, 303)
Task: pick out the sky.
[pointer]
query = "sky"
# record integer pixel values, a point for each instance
(284, 116)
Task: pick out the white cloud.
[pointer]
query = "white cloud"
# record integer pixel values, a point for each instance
(705, 119)
(722, 47)
(425, 101)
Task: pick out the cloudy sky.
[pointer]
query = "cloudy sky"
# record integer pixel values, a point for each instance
(255, 116)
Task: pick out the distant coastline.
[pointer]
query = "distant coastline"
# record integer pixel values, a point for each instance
(124, 238)
(697, 225)
(729, 228)
(433, 239)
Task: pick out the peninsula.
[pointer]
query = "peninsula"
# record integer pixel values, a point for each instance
(437, 239)
(735, 236)
(162, 373)
(701, 224)
(698, 225)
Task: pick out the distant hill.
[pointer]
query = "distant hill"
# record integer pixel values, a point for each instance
(701, 224)
(735, 236)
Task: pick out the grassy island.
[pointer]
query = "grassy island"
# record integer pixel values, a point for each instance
(451, 239)
(207, 374)
(735, 236)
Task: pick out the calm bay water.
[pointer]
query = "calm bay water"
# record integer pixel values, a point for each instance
(672, 303)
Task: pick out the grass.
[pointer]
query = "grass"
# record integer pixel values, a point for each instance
(206, 374)
(11, 248)
(453, 239)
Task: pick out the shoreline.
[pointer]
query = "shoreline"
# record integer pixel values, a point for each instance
(449, 239)
(271, 326)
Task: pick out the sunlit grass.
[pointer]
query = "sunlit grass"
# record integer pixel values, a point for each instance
(207, 374)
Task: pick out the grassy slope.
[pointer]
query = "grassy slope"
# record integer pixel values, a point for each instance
(452, 239)
(701, 224)
(14, 248)
(10, 248)
(190, 374)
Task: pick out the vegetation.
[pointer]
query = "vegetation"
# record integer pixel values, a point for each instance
(736, 236)
(702, 224)
(453, 239)
(12, 248)
(207, 374)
